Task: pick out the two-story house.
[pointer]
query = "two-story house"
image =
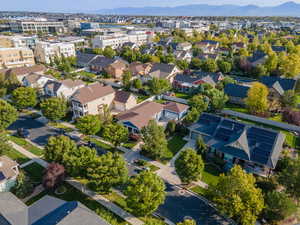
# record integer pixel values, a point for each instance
(8, 173)
(163, 71)
(64, 88)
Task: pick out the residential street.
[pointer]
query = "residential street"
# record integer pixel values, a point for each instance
(179, 202)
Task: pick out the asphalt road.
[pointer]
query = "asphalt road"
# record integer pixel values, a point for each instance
(39, 133)
(181, 204)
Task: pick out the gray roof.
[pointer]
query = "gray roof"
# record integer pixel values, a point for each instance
(244, 141)
(285, 83)
(46, 211)
(84, 58)
(161, 70)
(236, 90)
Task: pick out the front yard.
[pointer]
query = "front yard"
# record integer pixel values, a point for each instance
(35, 172)
(211, 174)
(174, 145)
(17, 156)
(28, 146)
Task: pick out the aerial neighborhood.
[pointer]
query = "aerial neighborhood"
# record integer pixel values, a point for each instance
(155, 120)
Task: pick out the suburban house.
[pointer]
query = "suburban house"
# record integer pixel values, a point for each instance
(163, 71)
(279, 49)
(184, 46)
(188, 82)
(21, 72)
(36, 80)
(183, 55)
(207, 46)
(238, 45)
(84, 59)
(64, 88)
(256, 149)
(223, 50)
(277, 85)
(257, 58)
(139, 69)
(139, 116)
(205, 56)
(236, 93)
(8, 174)
(47, 210)
(92, 98)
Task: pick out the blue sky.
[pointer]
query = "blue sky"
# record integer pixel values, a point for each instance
(84, 5)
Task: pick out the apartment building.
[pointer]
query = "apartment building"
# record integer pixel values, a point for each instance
(16, 57)
(45, 51)
(117, 40)
(20, 26)
(18, 41)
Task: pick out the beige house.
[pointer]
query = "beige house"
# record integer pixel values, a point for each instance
(116, 69)
(91, 100)
(8, 173)
(64, 88)
(16, 57)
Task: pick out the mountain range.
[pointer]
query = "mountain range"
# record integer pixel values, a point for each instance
(286, 9)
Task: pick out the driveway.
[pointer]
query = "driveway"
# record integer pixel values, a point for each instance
(181, 204)
(39, 133)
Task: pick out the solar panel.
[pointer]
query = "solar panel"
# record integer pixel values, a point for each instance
(2, 177)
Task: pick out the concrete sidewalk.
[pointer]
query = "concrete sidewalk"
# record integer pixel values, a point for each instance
(103, 201)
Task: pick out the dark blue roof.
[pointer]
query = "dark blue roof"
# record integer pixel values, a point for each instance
(256, 56)
(58, 214)
(285, 83)
(2, 177)
(196, 76)
(236, 90)
(278, 48)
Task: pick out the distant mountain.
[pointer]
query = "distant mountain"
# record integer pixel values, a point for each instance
(286, 9)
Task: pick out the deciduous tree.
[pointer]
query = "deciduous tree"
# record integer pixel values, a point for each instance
(54, 176)
(159, 86)
(88, 124)
(54, 108)
(257, 98)
(115, 133)
(24, 97)
(8, 114)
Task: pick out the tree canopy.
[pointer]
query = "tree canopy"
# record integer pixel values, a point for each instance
(24, 97)
(8, 114)
(88, 124)
(54, 108)
(115, 133)
(257, 98)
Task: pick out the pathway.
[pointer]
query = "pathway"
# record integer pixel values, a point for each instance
(37, 191)
(103, 201)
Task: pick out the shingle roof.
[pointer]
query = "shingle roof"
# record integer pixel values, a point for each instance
(236, 90)
(92, 92)
(72, 83)
(6, 167)
(285, 83)
(101, 61)
(122, 96)
(84, 58)
(176, 107)
(244, 141)
(211, 78)
(256, 56)
(19, 71)
(141, 114)
(34, 77)
(278, 48)
(161, 70)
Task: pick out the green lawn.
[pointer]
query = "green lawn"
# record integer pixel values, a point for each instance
(129, 144)
(236, 108)
(35, 172)
(199, 190)
(28, 146)
(142, 98)
(60, 126)
(174, 145)
(17, 156)
(72, 194)
(210, 174)
(277, 118)
(183, 95)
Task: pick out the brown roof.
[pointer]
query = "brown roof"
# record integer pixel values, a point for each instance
(122, 96)
(92, 92)
(34, 77)
(19, 71)
(6, 167)
(72, 83)
(141, 114)
(176, 107)
(119, 64)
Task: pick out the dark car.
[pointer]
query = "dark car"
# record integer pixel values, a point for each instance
(24, 133)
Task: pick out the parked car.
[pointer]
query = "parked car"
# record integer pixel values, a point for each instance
(24, 133)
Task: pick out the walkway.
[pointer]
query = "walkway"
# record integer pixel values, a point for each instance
(103, 201)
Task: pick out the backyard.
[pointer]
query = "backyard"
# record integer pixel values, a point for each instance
(35, 172)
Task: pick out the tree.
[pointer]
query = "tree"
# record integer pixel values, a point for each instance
(8, 114)
(192, 116)
(170, 128)
(88, 124)
(237, 196)
(145, 192)
(226, 80)
(54, 176)
(107, 171)
(23, 186)
(159, 86)
(109, 52)
(198, 102)
(115, 133)
(182, 64)
(105, 116)
(289, 99)
(278, 206)
(24, 97)
(126, 79)
(137, 83)
(97, 51)
(225, 67)
(201, 146)
(5, 146)
(195, 63)
(78, 160)
(155, 143)
(187, 222)
(54, 108)
(292, 117)
(271, 63)
(57, 147)
(289, 65)
(257, 98)
(189, 166)
(289, 177)
(217, 99)
(209, 65)
(259, 70)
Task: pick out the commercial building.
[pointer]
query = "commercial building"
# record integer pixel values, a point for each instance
(20, 26)
(45, 51)
(16, 57)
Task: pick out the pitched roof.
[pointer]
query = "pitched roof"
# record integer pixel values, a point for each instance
(34, 77)
(19, 71)
(256, 56)
(122, 96)
(84, 58)
(92, 92)
(285, 83)
(101, 61)
(244, 141)
(141, 114)
(176, 107)
(278, 48)
(236, 90)
(207, 77)
(161, 70)
(6, 165)
(72, 83)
